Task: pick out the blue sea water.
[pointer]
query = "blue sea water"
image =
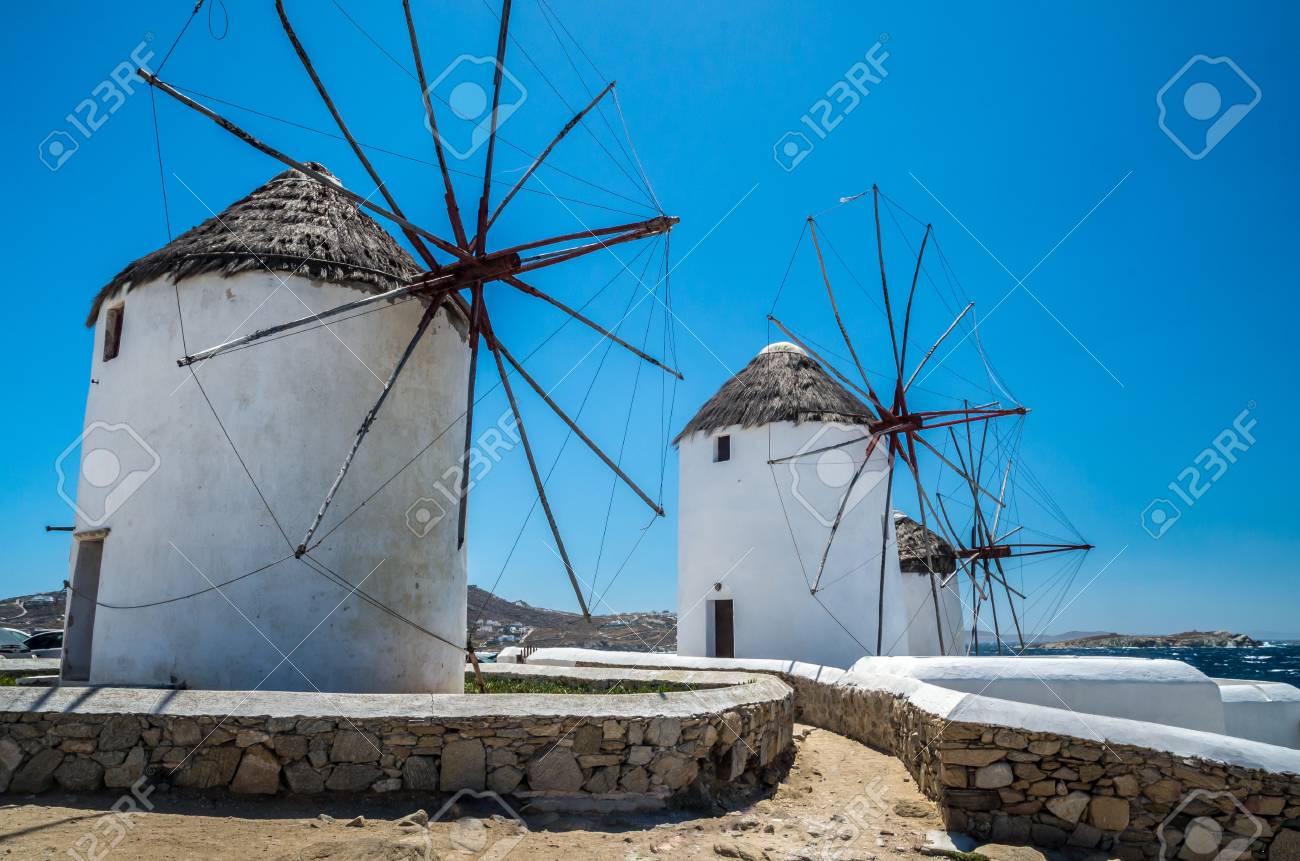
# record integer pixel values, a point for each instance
(1272, 662)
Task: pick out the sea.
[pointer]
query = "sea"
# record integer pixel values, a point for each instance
(1270, 662)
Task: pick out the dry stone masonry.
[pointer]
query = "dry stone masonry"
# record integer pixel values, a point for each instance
(600, 751)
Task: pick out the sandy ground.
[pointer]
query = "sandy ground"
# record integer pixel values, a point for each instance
(840, 802)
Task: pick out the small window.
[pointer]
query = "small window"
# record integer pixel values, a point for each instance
(113, 332)
(722, 448)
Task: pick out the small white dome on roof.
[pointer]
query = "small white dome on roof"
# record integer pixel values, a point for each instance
(783, 347)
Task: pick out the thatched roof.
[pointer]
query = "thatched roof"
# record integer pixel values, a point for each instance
(291, 224)
(915, 542)
(781, 384)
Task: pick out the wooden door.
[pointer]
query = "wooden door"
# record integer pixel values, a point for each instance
(724, 631)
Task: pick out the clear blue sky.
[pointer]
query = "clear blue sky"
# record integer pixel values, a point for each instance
(1017, 119)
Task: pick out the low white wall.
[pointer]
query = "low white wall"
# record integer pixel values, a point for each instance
(1156, 691)
(1263, 711)
(891, 675)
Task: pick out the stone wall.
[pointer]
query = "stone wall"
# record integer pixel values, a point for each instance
(1051, 789)
(1054, 790)
(615, 750)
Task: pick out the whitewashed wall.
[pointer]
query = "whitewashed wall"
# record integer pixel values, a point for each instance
(291, 406)
(735, 524)
(922, 633)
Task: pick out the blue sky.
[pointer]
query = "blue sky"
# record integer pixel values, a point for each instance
(1160, 304)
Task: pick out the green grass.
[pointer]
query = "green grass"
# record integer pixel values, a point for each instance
(500, 685)
(7, 681)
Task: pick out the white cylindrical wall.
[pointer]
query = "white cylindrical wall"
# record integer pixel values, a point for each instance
(759, 530)
(291, 407)
(923, 636)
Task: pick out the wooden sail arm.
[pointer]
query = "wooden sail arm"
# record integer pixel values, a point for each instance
(480, 239)
(630, 233)
(160, 85)
(1007, 551)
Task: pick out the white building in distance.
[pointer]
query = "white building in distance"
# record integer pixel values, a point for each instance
(191, 499)
(751, 533)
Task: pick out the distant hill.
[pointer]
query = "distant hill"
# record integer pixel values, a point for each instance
(36, 612)
(497, 623)
(1186, 639)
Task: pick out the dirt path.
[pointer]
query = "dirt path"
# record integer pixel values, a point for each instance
(840, 802)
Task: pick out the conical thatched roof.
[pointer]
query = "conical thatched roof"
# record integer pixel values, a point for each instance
(915, 542)
(781, 384)
(291, 224)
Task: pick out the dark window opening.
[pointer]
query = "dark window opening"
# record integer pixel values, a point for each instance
(722, 449)
(113, 332)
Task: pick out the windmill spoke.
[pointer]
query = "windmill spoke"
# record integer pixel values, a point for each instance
(453, 211)
(844, 333)
(302, 167)
(476, 312)
(884, 283)
(537, 162)
(651, 227)
(839, 516)
(369, 420)
(497, 346)
(533, 291)
(411, 235)
(911, 294)
(654, 227)
(480, 243)
(920, 492)
(959, 470)
(532, 466)
(884, 544)
(930, 352)
(1015, 617)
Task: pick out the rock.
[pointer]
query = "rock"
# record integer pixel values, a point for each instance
(1045, 748)
(77, 774)
(352, 746)
(971, 756)
(663, 732)
(250, 737)
(312, 726)
(1264, 805)
(37, 774)
(1042, 788)
(290, 746)
(417, 817)
(1029, 771)
(120, 732)
(1163, 791)
(1085, 836)
(302, 778)
(464, 765)
(640, 755)
(388, 784)
(185, 732)
(972, 799)
(1010, 739)
(1069, 807)
(504, 780)
(555, 770)
(913, 809)
(603, 779)
(258, 773)
(731, 850)
(352, 777)
(587, 739)
(634, 780)
(954, 776)
(1082, 753)
(209, 769)
(675, 770)
(128, 772)
(1024, 808)
(1108, 813)
(1285, 846)
(1047, 835)
(1004, 852)
(11, 755)
(420, 773)
(1127, 785)
(994, 776)
(1010, 829)
(358, 822)
(84, 746)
